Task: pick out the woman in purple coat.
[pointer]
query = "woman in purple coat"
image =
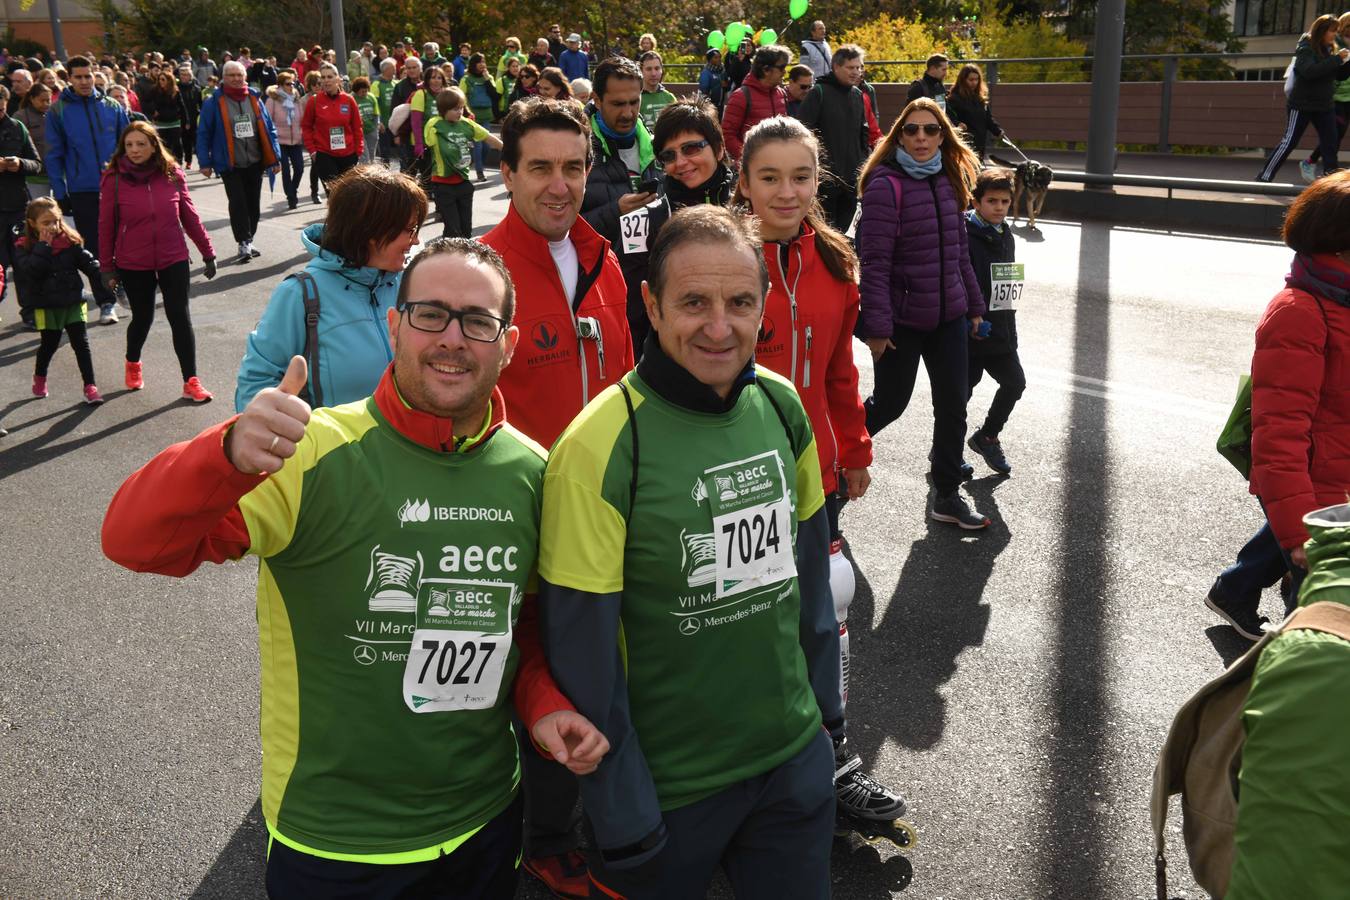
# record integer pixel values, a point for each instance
(920, 297)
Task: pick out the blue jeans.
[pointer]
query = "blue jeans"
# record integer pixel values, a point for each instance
(1259, 565)
(292, 168)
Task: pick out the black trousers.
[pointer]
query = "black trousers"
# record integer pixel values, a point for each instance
(549, 792)
(1342, 113)
(944, 352)
(1297, 123)
(1006, 369)
(189, 143)
(173, 287)
(328, 167)
(839, 202)
(481, 868)
(7, 222)
(243, 190)
(173, 141)
(455, 204)
(84, 209)
(79, 342)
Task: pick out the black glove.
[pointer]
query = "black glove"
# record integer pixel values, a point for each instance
(66, 208)
(209, 265)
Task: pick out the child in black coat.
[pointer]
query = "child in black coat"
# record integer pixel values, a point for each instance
(992, 257)
(48, 259)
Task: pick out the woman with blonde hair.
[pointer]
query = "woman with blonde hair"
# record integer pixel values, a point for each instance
(920, 298)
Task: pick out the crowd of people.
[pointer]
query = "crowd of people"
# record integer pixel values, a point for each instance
(595, 465)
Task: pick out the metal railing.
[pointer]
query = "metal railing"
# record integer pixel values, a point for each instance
(1204, 185)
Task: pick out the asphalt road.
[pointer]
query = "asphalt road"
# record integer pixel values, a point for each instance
(1015, 684)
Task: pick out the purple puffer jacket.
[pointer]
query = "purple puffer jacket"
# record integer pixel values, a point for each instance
(141, 219)
(916, 270)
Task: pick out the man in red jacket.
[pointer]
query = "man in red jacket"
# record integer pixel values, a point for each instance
(758, 98)
(331, 127)
(574, 342)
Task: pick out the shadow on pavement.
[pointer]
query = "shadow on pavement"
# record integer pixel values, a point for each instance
(233, 274)
(237, 873)
(1227, 643)
(936, 612)
(16, 458)
(867, 875)
(19, 350)
(1076, 843)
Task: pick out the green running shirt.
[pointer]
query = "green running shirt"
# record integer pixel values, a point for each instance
(717, 681)
(358, 535)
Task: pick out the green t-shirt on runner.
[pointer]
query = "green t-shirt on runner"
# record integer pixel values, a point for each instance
(452, 142)
(652, 104)
(383, 92)
(705, 560)
(370, 112)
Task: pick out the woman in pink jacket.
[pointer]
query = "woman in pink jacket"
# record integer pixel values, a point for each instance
(144, 209)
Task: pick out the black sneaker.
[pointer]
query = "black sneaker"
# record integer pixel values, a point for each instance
(1244, 619)
(991, 450)
(953, 508)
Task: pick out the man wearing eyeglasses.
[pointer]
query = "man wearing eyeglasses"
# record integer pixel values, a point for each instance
(397, 539)
(837, 111)
(759, 97)
(574, 343)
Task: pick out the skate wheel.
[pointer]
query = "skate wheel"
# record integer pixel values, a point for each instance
(906, 838)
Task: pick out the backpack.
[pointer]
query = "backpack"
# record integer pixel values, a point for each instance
(1203, 753)
(309, 294)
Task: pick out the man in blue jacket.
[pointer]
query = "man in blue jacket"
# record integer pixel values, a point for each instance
(83, 128)
(236, 137)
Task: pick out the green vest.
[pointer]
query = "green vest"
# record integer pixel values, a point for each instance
(451, 143)
(363, 537)
(717, 682)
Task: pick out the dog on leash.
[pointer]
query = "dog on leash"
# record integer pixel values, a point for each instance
(1031, 182)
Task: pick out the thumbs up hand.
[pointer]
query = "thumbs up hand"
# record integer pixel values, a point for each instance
(265, 435)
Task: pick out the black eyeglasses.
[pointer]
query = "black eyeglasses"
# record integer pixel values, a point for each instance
(433, 318)
(932, 129)
(687, 149)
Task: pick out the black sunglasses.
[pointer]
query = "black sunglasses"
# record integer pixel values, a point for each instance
(688, 148)
(932, 129)
(433, 318)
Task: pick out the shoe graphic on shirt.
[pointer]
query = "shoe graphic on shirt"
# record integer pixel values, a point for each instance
(698, 558)
(395, 580)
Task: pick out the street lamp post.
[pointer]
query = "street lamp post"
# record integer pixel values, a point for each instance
(339, 35)
(1101, 144)
(54, 13)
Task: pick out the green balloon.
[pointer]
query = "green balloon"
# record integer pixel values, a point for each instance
(735, 34)
(797, 9)
(768, 36)
(715, 39)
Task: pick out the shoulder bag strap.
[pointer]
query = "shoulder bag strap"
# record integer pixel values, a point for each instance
(309, 293)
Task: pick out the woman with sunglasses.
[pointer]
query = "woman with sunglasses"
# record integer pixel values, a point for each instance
(356, 263)
(689, 147)
(807, 335)
(527, 86)
(920, 296)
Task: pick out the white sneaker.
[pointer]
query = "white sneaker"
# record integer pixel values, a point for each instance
(1308, 171)
(108, 315)
(244, 255)
(253, 252)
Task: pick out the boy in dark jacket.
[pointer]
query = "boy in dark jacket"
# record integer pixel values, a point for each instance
(992, 257)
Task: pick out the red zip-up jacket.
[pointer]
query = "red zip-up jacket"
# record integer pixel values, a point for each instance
(325, 115)
(747, 106)
(807, 335)
(182, 509)
(555, 373)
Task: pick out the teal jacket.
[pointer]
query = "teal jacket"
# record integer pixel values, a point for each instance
(1294, 786)
(353, 329)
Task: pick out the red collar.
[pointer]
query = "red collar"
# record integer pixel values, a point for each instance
(431, 431)
(516, 234)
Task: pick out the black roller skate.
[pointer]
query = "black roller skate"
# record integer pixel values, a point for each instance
(866, 807)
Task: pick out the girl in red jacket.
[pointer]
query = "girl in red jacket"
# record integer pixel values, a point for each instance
(144, 209)
(1300, 406)
(331, 126)
(807, 335)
